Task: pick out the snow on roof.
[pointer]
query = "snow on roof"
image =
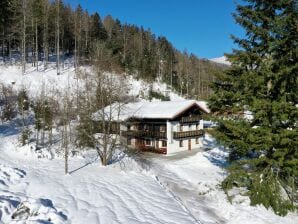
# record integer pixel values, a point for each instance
(204, 106)
(149, 110)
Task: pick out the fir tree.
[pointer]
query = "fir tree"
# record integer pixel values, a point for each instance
(23, 106)
(263, 81)
(98, 32)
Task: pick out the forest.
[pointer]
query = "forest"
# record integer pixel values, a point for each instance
(39, 30)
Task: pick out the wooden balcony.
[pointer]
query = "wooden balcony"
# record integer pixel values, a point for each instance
(143, 134)
(145, 148)
(188, 134)
(190, 119)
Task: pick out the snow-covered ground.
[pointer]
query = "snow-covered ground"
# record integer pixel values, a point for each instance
(194, 178)
(37, 81)
(183, 188)
(120, 193)
(48, 81)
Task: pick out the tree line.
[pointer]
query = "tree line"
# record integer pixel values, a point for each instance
(52, 31)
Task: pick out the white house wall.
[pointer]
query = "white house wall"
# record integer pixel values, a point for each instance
(173, 145)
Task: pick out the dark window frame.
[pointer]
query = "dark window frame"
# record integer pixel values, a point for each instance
(181, 143)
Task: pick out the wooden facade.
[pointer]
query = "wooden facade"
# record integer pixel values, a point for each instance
(188, 134)
(168, 130)
(152, 134)
(146, 135)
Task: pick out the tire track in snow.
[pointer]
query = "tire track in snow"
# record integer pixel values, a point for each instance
(186, 196)
(177, 199)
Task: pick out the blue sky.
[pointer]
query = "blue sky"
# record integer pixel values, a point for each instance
(202, 27)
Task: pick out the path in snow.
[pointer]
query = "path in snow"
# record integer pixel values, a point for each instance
(184, 192)
(193, 178)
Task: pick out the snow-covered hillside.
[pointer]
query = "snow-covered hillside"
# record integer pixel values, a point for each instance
(48, 80)
(155, 189)
(221, 60)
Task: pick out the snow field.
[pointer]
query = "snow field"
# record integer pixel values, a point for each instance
(90, 193)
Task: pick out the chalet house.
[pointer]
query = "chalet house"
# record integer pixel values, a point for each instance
(163, 127)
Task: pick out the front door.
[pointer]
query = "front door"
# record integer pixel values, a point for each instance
(189, 144)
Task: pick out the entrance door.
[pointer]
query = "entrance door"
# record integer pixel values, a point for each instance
(156, 144)
(189, 144)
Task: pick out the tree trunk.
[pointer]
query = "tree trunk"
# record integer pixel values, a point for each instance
(24, 39)
(36, 45)
(3, 35)
(66, 150)
(58, 38)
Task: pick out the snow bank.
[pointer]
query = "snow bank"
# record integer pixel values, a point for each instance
(16, 207)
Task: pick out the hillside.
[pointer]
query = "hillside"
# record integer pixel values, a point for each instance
(182, 188)
(104, 121)
(112, 44)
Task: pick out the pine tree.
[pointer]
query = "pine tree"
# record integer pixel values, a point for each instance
(23, 106)
(98, 32)
(262, 80)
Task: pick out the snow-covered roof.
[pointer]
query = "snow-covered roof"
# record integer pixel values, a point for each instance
(149, 110)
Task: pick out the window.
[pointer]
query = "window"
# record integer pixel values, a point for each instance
(197, 140)
(181, 128)
(181, 143)
(164, 143)
(162, 128)
(147, 142)
(197, 126)
(146, 127)
(189, 127)
(129, 141)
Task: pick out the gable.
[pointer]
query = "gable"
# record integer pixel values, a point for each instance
(193, 110)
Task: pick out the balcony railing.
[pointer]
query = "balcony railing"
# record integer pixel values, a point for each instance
(142, 133)
(188, 134)
(190, 119)
(151, 149)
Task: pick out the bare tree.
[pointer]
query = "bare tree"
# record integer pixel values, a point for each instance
(24, 10)
(45, 33)
(65, 132)
(58, 36)
(66, 126)
(111, 98)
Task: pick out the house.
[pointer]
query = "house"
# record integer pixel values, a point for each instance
(162, 126)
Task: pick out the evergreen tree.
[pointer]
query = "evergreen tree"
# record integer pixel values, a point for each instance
(98, 32)
(23, 106)
(262, 80)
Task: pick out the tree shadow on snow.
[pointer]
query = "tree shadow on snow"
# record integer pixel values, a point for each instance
(89, 161)
(13, 127)
(81, 167)
(217, 157)
(10, 200)
(27, 209)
